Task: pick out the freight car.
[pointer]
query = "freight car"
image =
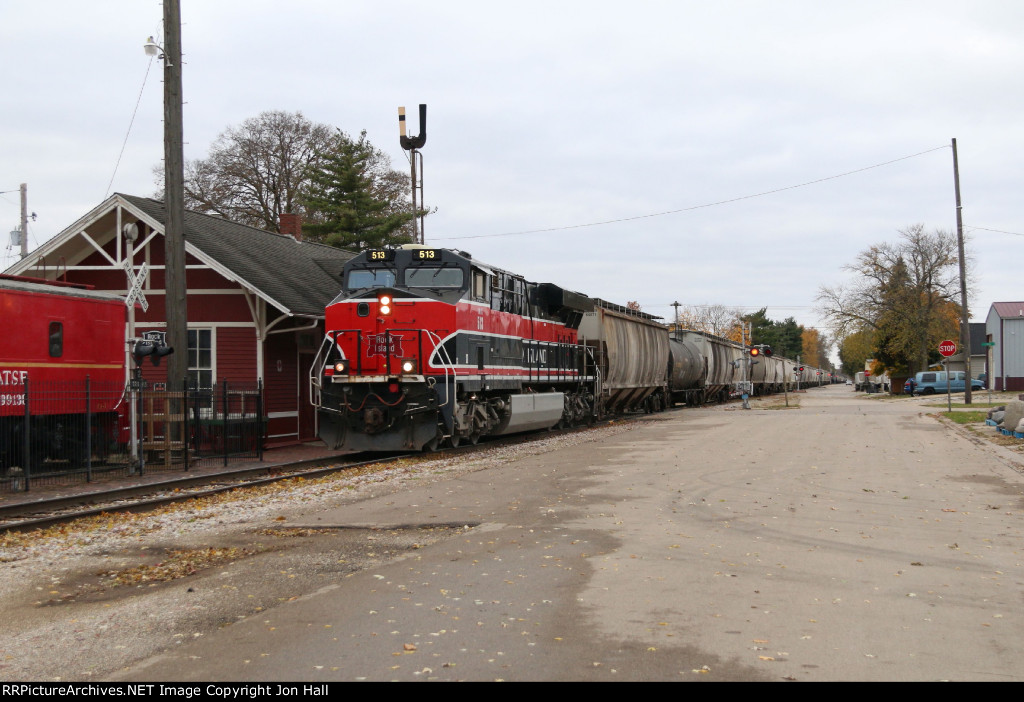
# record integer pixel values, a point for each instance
(55, 337)
(427, 347)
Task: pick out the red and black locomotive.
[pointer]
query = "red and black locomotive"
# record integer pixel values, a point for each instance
(426, 346)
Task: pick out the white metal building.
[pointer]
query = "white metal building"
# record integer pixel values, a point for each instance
(1004, 326)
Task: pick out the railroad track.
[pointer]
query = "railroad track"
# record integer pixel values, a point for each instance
(141, 498)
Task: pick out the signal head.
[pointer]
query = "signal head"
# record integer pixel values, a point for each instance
(159, 351)
(754, 351)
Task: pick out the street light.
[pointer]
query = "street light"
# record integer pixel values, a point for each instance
(153, 49)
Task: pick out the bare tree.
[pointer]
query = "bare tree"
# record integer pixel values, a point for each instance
(906, 293)
(713, 319)
(257, 170)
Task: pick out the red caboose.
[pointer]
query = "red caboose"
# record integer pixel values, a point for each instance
(55, 339)
(427, 345)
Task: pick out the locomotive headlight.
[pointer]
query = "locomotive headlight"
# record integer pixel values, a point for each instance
(384, 304)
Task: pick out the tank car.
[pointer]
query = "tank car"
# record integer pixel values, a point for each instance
(427, 347)
(55, 336)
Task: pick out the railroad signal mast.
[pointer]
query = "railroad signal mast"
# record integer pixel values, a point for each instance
(413, 146)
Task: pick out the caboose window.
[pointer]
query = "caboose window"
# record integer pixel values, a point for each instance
(56, 339)
(431, 277)
(371, 278)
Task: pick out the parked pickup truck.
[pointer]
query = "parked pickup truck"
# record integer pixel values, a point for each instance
(931, 382)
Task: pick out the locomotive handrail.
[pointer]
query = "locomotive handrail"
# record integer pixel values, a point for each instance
(316, 370)
(446, 363)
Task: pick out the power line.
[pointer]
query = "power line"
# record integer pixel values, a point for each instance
(138, 101)
(695, 207)
(997, 231)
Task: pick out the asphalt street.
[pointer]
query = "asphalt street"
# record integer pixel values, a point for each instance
(849, 538)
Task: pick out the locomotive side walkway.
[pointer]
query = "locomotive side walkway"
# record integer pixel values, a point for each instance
(848, 539)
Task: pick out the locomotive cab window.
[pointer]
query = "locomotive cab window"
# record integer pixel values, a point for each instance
(370, 278)
(56, 339)
(434, 277)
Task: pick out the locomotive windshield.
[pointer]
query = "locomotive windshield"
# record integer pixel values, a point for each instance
(434, 277)
(370, 278)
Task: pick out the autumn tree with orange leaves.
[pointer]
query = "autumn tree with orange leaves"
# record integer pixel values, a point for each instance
(905, 294)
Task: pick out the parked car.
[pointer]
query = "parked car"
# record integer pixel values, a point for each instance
(931, 382)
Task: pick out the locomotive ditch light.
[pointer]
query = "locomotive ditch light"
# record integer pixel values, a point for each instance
(341, 367)
(408, 366)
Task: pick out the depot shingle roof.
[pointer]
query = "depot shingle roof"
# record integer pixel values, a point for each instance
(299, 277)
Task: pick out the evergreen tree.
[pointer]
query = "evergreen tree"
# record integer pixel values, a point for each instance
(785, 338)
(345, 205)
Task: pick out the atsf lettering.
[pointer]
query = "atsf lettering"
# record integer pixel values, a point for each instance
(13, 377)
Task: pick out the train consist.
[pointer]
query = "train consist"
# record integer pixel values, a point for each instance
(428, 347)
(55, 337)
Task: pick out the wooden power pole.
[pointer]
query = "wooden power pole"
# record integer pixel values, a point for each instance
(174, 198)
(965, 325)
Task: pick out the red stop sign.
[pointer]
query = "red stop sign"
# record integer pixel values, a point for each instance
(947, 348)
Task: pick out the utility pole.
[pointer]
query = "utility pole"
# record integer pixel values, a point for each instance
(965, 325)
(174, 198)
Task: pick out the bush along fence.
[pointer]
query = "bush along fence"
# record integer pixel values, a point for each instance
(60, 432)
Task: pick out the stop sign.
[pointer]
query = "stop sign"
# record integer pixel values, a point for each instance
(947, 348)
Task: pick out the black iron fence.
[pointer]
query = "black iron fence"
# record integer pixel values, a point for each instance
(59, 432)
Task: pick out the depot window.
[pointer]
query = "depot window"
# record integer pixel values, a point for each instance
(200, 358)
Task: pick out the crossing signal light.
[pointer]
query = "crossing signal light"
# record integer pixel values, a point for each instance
(154, 349)
(755, 352)
(767, 351)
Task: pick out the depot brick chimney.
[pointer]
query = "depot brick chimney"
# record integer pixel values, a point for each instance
(291, 225)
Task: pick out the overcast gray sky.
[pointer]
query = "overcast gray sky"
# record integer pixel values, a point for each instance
(548, 115)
